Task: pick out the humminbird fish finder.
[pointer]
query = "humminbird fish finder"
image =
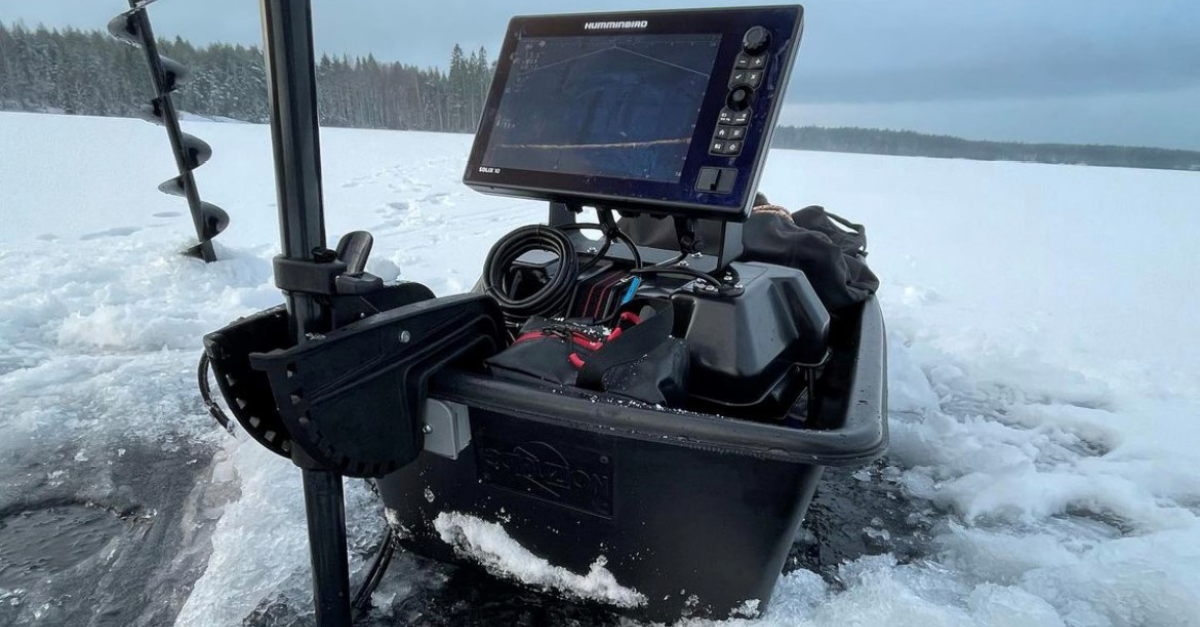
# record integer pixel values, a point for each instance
(661, 112)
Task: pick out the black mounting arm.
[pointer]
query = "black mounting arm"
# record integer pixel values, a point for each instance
(353, 400)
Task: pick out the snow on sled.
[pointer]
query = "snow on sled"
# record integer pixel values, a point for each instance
(635, 420)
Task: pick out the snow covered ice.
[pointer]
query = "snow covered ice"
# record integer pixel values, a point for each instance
(1044, 375)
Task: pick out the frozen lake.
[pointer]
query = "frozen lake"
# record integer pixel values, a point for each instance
(1044, 388)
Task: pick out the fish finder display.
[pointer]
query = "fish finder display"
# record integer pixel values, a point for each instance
(618, 106)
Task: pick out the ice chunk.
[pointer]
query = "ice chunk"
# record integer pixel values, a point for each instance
(489, 545)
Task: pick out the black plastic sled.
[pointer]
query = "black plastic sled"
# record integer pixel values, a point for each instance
(694, 512)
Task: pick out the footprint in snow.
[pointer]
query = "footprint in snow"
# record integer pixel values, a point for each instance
(120, 231)
(167, 214)
(47, 237)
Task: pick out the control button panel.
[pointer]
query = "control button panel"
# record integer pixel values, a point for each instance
(716, 180)
(749, 71)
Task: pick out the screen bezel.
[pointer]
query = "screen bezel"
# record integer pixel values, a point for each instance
(639, 195)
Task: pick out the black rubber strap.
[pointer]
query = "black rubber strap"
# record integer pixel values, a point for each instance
(857, 234)
(631, 345)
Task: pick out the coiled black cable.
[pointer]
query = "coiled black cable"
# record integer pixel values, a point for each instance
(553, 298)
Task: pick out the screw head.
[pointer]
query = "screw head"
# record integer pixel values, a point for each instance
(405, 336)
(427, 429)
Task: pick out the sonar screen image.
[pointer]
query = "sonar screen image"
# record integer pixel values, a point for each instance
(620, 107)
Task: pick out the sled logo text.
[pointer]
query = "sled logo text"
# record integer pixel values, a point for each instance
(483, 169)
(567, 475)
(617, 24)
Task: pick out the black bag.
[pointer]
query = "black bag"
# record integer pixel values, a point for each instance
(638, 359)
(829, 249)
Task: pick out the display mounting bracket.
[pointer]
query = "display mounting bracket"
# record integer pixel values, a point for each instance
(729, 246)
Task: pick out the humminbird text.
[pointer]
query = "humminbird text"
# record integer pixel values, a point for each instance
(619, 24)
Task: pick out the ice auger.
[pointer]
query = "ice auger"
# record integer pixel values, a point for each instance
(167, 76)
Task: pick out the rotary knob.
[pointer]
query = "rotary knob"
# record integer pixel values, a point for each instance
(739, 98)
(756, 40)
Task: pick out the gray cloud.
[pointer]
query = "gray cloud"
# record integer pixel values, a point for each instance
(855, 52)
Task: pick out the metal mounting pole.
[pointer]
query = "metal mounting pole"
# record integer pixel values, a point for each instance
(292, 91)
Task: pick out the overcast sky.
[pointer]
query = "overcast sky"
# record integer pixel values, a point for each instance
(1123, 72)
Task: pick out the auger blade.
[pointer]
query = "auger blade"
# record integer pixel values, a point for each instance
(152, 113)
(196, 251)
(124, 27)
(214, 218)
(174, 73)
(196, 152)
(173, 186)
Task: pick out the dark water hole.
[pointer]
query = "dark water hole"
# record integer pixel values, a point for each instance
(46, 540)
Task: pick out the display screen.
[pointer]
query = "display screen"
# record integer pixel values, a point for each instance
(613, 106)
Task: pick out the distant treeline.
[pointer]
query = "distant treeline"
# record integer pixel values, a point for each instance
(90, 73)
(908, 143)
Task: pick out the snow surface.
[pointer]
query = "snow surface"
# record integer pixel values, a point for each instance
(1044, 360)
